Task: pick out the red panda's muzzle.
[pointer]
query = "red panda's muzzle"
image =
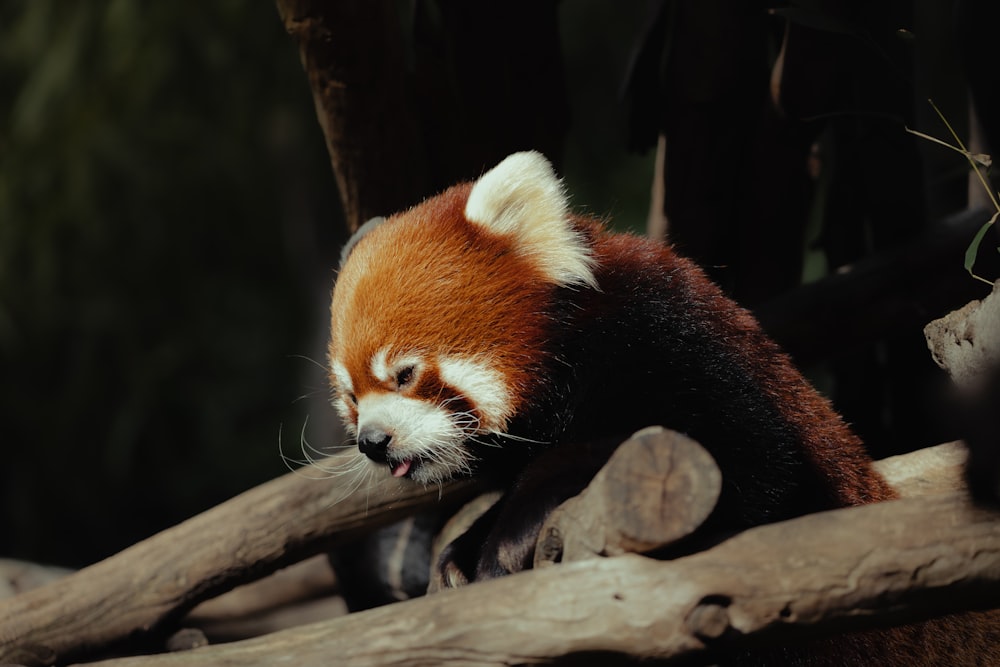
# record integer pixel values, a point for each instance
(374, 443)
(413, 437)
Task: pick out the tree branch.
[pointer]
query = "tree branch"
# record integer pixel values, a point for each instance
(160, 578)
(871, 561)
(658, 487)
(813, 576)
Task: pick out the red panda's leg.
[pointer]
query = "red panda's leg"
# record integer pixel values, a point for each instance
(502, 541)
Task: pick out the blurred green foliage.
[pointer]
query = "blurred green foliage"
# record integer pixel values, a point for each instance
(166, 231)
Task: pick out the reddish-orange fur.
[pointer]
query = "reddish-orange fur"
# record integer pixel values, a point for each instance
(487, 299)
(478, 295)
(831, 447)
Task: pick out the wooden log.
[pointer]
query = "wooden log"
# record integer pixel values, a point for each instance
(808, 577)
(298, 594)
(261, 530)
(18, 576)
(295, 595)
(658, 487)
(219, 630)
(302, 581)
(966, 343)
(929, 471)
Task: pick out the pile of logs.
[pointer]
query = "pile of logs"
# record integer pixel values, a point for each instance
(929, 553)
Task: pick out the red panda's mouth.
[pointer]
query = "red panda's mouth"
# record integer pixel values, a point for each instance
(401, 468)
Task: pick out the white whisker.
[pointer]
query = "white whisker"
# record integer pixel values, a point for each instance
(518, 438)
(323, 367)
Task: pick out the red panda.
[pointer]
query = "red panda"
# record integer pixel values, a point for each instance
(490, 331)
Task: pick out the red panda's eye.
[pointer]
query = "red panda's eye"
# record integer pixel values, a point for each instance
(404, 376)
(352, 399)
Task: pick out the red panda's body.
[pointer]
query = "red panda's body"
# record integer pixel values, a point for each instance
(488, 331)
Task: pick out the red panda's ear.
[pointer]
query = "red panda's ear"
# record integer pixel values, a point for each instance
(357, 236)
(521, 198)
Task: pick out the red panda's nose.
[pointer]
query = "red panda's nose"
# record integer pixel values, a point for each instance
(374, 443)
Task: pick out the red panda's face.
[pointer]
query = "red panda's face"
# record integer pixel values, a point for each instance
(440, 317)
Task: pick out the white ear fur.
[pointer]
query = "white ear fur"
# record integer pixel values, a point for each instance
(522, 198)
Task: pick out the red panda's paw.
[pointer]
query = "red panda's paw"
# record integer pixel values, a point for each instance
(456, 564)
(447, 574)
(466, 559)
(471, 556)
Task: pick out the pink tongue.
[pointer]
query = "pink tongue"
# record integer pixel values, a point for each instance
(402, 468)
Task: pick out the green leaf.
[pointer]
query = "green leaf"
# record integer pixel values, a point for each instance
(973, 249)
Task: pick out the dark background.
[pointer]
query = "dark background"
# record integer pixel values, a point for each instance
(169, 225)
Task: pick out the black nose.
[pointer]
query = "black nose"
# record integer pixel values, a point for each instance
(374, 443)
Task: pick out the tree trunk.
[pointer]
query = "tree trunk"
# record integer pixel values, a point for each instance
(352, 52)
(412, 100)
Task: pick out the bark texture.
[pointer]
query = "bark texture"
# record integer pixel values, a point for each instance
(809, 577)
(157, 580)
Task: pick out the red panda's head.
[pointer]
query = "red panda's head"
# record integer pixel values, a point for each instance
(441, 314)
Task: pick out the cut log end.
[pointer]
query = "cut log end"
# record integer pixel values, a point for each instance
(657, 488)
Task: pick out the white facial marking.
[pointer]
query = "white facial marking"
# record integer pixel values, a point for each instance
(523, 199)
(482, 385)
(345, 417)
(344, 385)
(341, 375)
(387, 373)
(380, 365)
(342, 379)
